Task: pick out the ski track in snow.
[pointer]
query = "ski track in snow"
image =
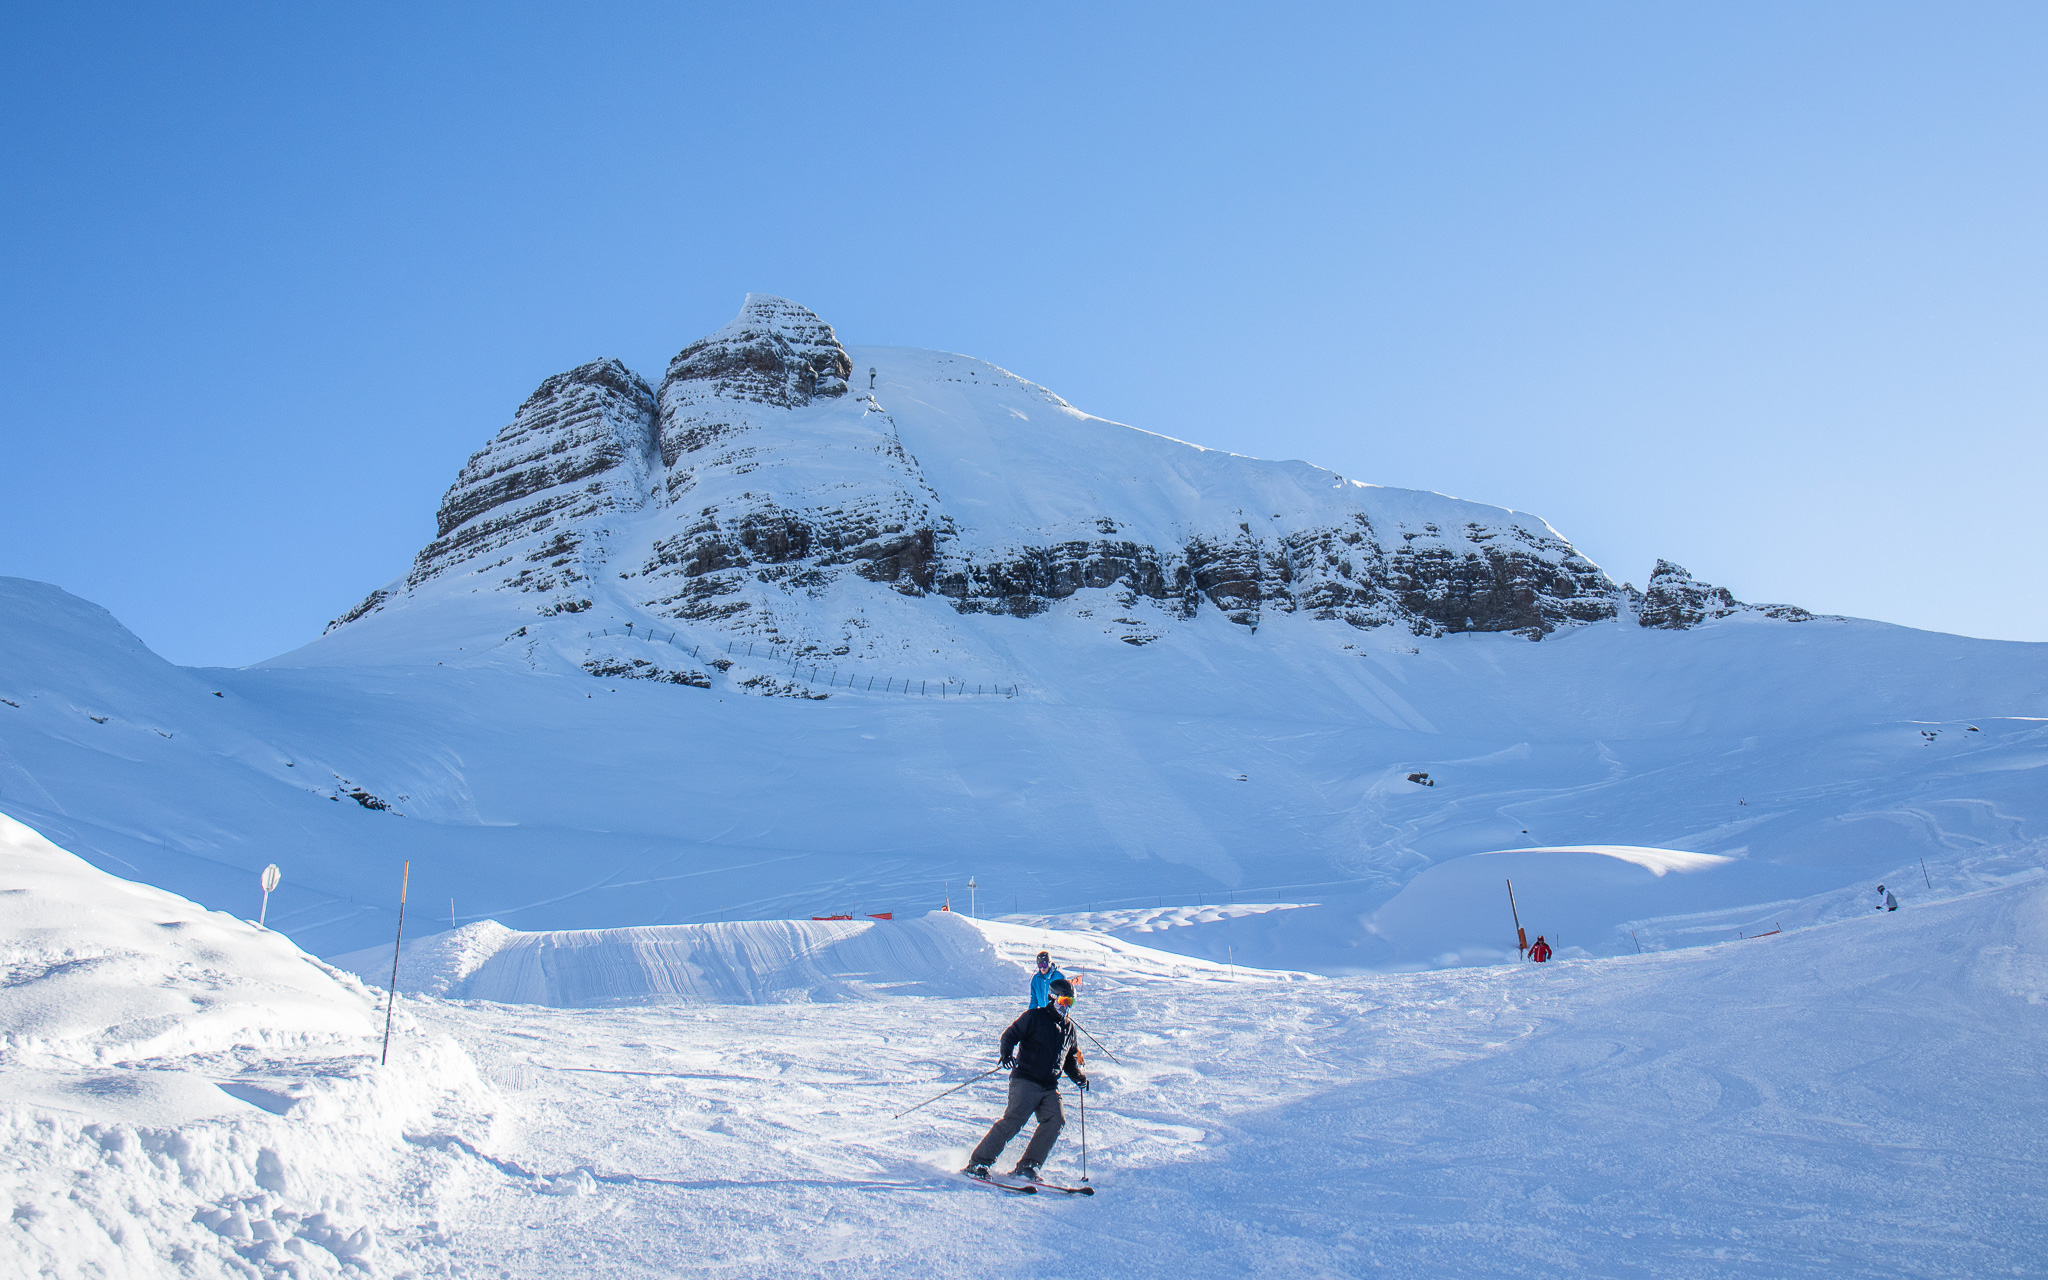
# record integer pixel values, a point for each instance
(1856, 1098)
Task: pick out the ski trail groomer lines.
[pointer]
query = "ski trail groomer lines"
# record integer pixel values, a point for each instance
(1041, 1043)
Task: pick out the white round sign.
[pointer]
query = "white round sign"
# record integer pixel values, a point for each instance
(271, 876)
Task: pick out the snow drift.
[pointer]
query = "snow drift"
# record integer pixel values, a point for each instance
(101, 970)
(942, 954)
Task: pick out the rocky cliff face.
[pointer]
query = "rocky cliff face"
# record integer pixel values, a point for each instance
(764, 496)
(1473, 579)
(1675, 601)
(535, 506)
(767, 477)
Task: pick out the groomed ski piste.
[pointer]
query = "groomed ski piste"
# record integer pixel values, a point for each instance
(188, 1094)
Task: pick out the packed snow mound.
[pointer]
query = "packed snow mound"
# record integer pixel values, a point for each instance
(99, 970)
(186, 1093)
(729, 962)
(1584, 900)
(1102, 963)
(943, 954)
(1658, 862)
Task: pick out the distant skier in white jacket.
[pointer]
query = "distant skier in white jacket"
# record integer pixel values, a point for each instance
(1886, 901)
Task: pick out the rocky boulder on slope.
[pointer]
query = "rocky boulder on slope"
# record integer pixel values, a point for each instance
(1675, 601)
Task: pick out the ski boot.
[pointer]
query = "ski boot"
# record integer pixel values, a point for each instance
(976, 1170)
(1025, 1173)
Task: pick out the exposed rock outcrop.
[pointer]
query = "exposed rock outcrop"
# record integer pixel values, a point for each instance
(786, 506)
(1477, 578)
(575, 455)
(1675, 601)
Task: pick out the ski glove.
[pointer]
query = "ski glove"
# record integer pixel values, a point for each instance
(1081, 1082)
(1006, 1061)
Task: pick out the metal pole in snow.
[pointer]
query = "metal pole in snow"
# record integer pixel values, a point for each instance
(970, 899)
(271, 875)
(1632, 938)
(1082, 1098)
(391, 999)
(1521, 935)
(1923, 875)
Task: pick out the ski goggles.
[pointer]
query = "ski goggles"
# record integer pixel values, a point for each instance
(1063, 1001)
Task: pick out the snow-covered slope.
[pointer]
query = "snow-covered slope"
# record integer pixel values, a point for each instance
(1104, 671)
(183, 1093)
(1217, 765)
(1850, 1099)
(102, 970)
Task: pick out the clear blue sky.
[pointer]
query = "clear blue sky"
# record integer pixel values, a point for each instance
(1758, 287)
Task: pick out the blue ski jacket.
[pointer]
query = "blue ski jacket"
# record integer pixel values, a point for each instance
(1041, 986)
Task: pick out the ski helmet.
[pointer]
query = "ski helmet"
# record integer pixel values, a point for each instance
(1061, 987)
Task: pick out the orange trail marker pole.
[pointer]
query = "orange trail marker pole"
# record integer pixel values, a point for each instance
(391, 999)
(1521, 934)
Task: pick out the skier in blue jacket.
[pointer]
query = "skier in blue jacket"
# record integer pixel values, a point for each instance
(1041, 982)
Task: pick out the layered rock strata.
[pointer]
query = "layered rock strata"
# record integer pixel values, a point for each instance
(1474, 579)
(1675, 601)
(764, 475)
(539, 500)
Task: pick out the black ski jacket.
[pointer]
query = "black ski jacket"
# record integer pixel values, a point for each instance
(1043, 1042)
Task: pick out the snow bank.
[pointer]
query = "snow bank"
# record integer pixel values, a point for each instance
(1658, 862)
(101, 970)
(942, 954)
(1583, 899)
(733, 962)
(182, 1092)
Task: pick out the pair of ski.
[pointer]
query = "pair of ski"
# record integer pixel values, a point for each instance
(1029, 1188)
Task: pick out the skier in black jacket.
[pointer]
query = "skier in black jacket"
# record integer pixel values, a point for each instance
(1041, 1045)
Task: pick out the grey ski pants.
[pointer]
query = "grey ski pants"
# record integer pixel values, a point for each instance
(1026, 1097)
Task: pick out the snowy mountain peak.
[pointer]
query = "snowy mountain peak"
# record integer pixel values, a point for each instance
(773, 352)
(768, 493)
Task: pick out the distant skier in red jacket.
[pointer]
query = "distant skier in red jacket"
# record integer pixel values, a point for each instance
(1541, 951)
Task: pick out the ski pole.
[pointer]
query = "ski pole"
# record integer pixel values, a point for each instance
(391, 997)
(1092, 1040)
(1083, 1100)
(955, 1089)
